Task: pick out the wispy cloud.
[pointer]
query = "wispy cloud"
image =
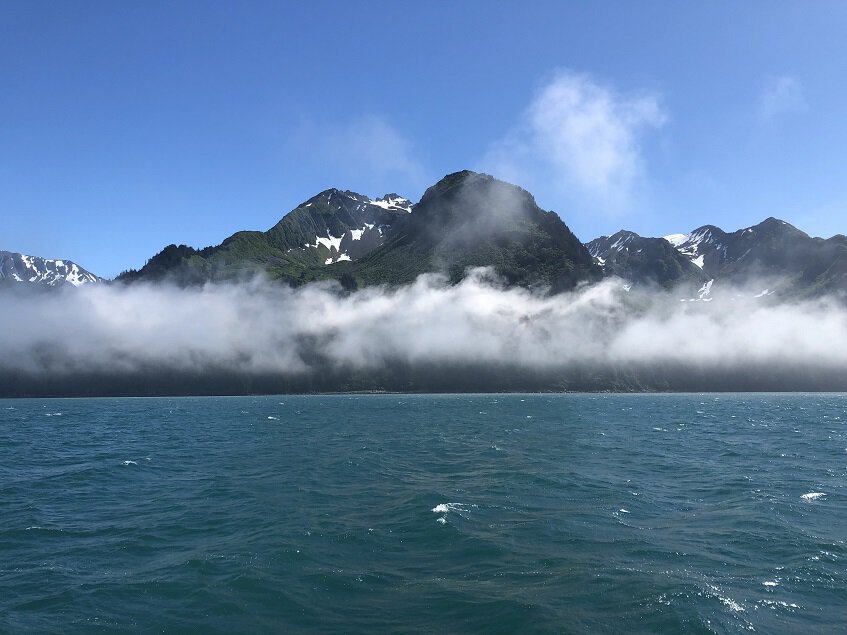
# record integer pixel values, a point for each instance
(368, 152)
(580, 134)
(781, 95)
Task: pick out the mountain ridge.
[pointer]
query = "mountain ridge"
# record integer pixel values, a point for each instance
(772, 253)
(324, 229)
(16, 267)
(468, 220)
(465, 220)
(654, 261)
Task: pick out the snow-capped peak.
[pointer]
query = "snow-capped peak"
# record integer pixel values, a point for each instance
(695, 245)
(359, 224)
(393, 201)
(616, 242)
(33, 269)
(676, 239)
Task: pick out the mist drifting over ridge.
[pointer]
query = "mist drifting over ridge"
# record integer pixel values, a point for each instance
(490, 336)
(478, 289)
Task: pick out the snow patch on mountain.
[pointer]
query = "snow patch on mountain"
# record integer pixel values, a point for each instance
(329, 241)
(696, 245)
(621, 243)
(616, 242)
(393, 202)
(356, 242)
(36, 270)
(676, 239)
(704, 293)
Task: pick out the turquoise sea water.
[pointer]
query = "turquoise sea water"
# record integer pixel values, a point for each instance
(397, 513)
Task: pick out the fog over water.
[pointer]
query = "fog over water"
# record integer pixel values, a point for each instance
(263, 327)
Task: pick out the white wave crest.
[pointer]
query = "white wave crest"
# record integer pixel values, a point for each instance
(813, 496)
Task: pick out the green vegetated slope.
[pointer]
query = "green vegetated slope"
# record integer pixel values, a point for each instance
(288, 251)
(465, 220)
(472, 220)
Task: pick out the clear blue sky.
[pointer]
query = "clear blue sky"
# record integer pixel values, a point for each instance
(125, 126)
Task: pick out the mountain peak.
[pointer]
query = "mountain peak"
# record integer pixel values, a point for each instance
(771, 223)
(341, 198)
(18, 267)
(479, 191)
(772, 220)
(450, 182)
(773, 251)
(333, 192)
(771, 228)
(600, 247)
(393, 202)
(644, 260)
(461, 175)
(468, 220)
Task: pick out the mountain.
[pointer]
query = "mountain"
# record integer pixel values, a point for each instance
(470, 220)
(644, 260)
(772, 253)
(20, 268)
(332, 227)
(771, 257)
(465, 220)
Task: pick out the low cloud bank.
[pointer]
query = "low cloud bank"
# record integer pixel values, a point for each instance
(264, 328)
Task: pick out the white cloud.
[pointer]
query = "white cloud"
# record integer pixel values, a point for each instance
(780, 95)
(580, 134)
(269, 328)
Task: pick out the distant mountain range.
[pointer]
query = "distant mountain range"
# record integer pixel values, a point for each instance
(773, 255)
(469, 219)
(15, 268)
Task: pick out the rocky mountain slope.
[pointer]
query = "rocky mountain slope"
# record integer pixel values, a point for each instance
(644, 260)
(771, 257)
(465, 220)
(773, 253)
(470, 220)
(332, 227)
(21, 268)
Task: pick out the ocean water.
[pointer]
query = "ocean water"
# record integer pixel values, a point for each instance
(425, 514)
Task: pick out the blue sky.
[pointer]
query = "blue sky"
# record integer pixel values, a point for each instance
(126, 126)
